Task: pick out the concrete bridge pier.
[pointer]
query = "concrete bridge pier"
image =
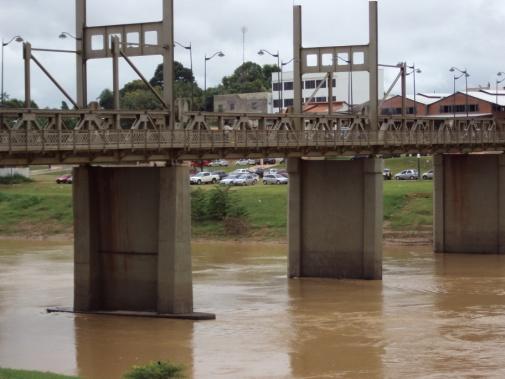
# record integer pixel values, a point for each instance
(132, 241)
(469, 203)
(335, 218)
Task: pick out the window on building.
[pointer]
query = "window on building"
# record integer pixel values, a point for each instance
(288, 102)
(220, 108)
(459, 108)
(318, 82)
(334, 83)
(254, 105)
(321, 99)
(276, 86)
(232, 106)
(288, 86)
(310, 84)
(277, 103)
(334, 98)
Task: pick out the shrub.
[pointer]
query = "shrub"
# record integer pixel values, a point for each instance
(198, 205)
(156, 370)
(219, 199)
(14, 179)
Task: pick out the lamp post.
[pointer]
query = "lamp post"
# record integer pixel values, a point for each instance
(220, 54)
(262, 52)
(454, 94)
(17, 39)
(466, 75)
(414, 72)
(64, 35)
(498, 81)
(350, 95)
(189, 47)
(282, 82)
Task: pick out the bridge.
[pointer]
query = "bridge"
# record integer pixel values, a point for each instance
(132, 223)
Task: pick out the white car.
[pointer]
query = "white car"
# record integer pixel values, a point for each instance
(274, 179)
(242, 162)
(245, 180)
(240, 171)
(204, 178)
(219, 163)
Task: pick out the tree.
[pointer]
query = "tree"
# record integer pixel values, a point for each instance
(16, 103)
(64, 106)
(106, 99)
(181, 73)
(268, 70)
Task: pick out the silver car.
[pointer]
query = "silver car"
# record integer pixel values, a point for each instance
(245, 180)
(407, 175)
(274, 179)
(428, 175)
(229, 180)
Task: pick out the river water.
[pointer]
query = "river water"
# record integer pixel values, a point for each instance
(433, 316)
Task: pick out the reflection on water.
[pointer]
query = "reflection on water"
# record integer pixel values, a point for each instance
(432, 316)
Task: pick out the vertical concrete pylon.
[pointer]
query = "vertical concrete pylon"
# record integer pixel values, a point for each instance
(469, 204)
(335, 218)
(81, 63)
(373, 64)
(132, 241)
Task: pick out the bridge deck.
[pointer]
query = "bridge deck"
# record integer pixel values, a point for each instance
(50, 137)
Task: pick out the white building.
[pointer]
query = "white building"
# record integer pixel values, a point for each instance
(341, 88)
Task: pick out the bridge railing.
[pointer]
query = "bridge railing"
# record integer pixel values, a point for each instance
(101, 140)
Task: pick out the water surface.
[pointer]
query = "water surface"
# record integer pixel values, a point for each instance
(433, 316)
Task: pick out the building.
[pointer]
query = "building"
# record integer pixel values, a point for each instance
(479, 102)
(283, 95)
(259, 102)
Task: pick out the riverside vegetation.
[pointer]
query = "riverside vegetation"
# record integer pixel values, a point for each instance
(41, 208)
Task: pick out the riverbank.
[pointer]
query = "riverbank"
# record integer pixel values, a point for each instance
(42, 210)
(22, 374)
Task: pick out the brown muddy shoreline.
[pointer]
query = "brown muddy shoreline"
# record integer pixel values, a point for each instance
(391, 238)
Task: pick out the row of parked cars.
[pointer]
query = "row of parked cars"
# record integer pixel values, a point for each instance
(240, 162)
(240, 177)
(410, 174)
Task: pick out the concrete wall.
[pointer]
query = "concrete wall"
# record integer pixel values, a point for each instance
(469, 204)
(335, 218)
(132, 239)
(10, 171)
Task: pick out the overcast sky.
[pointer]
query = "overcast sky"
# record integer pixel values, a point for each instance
(435, 34)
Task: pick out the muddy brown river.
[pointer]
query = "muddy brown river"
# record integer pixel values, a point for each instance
(433, 316)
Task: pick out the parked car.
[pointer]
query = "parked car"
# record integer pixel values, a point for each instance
(269, 161)
(221, 174)
(204, 178)
(428, 175)
(388, 175)
(245, 180)
(239, 171)
(274, 179)
(251, 162)
(407, 175)
(259, 171)
(64, 179)
(203, 163)
(242, 162)
(229, 180)
(219, 163)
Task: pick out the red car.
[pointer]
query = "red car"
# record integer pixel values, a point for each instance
(64, 179)
(203, 163)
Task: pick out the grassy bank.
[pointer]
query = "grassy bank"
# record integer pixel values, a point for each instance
(43, 208)
(21, 374)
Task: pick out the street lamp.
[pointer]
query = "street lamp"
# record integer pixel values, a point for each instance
(498, 81)
(220, 54)
(17, 39)
(466, 75)
(414, 72)
(65, 35)
(262, 52)
(191, 63)
(282, 82)
(350, 95)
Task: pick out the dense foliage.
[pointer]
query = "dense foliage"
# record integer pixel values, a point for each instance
(156, 370)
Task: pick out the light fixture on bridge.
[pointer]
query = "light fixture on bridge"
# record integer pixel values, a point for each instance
(414, 72)
(219, 54)
(279, 81)
(17, 39)
(190, 48)
(466, 75)
(65, 35)
(498, 81)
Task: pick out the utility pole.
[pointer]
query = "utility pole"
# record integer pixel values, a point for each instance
(244, 31)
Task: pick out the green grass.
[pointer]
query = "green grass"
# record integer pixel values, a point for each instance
(21, 374)
(43, 208)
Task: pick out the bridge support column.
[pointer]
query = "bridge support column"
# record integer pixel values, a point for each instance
(335, 218)
(469, 204)
(132, 240)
